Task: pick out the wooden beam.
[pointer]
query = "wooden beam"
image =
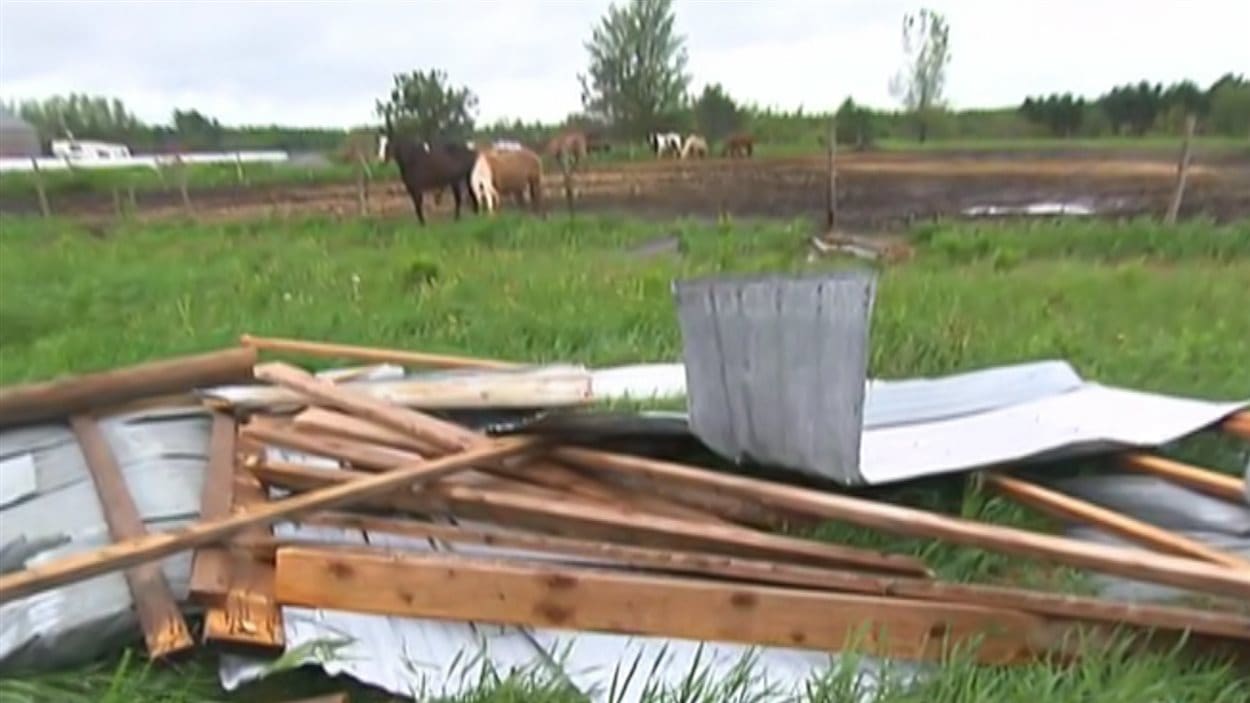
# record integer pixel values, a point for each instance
(371, 354)
(1065, 507)
(527, 594)
(164, 630)
(1238, 425)
(161, 544)
(896, 519)
(248, 618)
(445, 435)
(210, 567)
(603, 522)
(74, 394)
(1212, 483)
(1145, 615)
(354, 448)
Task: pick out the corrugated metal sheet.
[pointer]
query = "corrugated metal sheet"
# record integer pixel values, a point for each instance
(162, 455)
(775, 367)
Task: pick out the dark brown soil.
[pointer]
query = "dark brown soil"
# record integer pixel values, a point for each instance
(875, 191)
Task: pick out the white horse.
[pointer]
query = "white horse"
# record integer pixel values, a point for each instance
(482, 181)
(665, 144)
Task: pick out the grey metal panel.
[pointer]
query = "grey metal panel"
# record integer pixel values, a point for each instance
(162, 455)
(1163, 503)
(775, 367)
(913, 400)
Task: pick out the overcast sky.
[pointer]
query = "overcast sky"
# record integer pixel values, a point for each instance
(324, 63)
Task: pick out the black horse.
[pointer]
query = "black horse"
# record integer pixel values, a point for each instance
(423, 167)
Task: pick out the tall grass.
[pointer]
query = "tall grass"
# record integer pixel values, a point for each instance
(1128, 303)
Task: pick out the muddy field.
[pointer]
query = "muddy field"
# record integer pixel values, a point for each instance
(876, 191)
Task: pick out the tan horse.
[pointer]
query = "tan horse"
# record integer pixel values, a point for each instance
(694, 148)
(568, 144)
(740, 144)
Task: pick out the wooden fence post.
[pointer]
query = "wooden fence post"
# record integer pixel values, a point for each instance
(1182, 172)
(182, 185)
(831, 214)
(362, 185)
(117, 203)
(567, 173)
(39, 189)
(131, 201)
(238, 168)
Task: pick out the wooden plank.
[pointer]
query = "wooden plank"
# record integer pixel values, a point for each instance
(445, 435)
(1202, 480)
(1066, 507)
(896, 519)
(371, 354)
(249, 617)
(161, 544)
(1238, 425)
(519, 593)
(73, 394)
(1145, 615)
(354, 449)
(164, 630)
(210, 567)
(603, 522)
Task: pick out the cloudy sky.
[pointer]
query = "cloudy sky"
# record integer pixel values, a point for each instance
(324, 63)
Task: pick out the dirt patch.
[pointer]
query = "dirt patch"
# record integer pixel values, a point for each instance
(875, 191)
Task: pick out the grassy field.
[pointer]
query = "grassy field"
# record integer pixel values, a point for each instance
(207, 176)
(1130, 303)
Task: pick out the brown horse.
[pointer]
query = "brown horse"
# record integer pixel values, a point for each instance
(568, 144)
(740, 144)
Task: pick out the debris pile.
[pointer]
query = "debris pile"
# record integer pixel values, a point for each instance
(539, 528)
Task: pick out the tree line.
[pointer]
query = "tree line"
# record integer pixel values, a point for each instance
(636, 82)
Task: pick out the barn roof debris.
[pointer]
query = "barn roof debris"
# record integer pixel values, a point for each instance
(409, 520)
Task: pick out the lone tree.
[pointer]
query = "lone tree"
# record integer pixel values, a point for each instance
(716, 114)
(637, 76)
(425, 104)
(921, 81)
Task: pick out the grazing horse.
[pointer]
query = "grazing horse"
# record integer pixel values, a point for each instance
(665, 144)
(424, 167)
(695, 147)
(567, 144)
(517, 172)
(740, 144)
(482, 184)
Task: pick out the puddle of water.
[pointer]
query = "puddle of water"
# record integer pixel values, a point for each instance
(1032, 209)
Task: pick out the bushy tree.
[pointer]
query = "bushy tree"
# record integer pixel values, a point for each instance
(1229, 100)
(1061, 115)
(921, 83)
(83, 116)
(426, 105)
(1133, 108)
(637, 79)
(716, 114)
(195, 130)
(855, 125)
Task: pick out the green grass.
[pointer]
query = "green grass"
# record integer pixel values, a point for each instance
(1129, 303)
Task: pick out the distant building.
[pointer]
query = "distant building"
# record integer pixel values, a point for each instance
(17, 137)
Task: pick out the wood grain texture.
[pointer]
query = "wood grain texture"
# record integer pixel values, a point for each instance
(156, 545)
(210, 567)
(248, 617)
(1212, 483)
(1055, 605)
(528, 594)
(164, 630)
(896, 519)
(604, 522)
(1066, 507)
(445, 435)
(371, 354)
(74, 394)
